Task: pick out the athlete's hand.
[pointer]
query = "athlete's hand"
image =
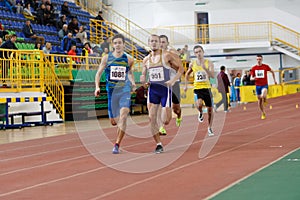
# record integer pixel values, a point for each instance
(185, 88)
(97, 92)
(142, 79)
(169, 83)
(275, 82)
(133, 88)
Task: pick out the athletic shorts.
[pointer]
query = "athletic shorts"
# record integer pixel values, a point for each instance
(259, 89)
(160, 94)
(205, 95)
(117, 99)
(176, 93)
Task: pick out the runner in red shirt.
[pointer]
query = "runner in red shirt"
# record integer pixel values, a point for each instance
(259, 74)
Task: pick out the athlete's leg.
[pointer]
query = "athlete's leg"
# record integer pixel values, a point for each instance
(153, 121)
(177, 110)
(166, 115)
(122, 123)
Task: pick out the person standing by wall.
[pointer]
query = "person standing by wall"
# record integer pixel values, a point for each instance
(237, 83)
(223, 88)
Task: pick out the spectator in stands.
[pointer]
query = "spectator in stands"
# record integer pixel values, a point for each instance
(27, 12)
(47, 48)
(86, 50)
(29, 33)
(35, 4)
(38, 46)
(66, 43)
(18, 4)
(48, 2)
(73, 26)
(223, 88)
(65, 9)
(99, 16)
(82, 35)
(63, 32)
(41, 14)
(106, 44)
(9, 44)
(49, 16)
(105, 52)
(73, 52)
(61, 21)
(3, 32)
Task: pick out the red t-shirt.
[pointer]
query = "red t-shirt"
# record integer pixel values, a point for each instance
(260, 74)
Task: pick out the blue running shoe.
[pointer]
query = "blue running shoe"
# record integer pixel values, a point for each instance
(116, 149)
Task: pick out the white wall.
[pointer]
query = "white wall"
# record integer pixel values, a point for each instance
(154, 13)
(149, 13)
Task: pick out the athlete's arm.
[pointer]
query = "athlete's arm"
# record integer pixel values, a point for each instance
(99, 73)
(144, 71)
(273, 74)
(252, 75)
(210, 71)
(176, 64)
(187, 74)
(130, 74)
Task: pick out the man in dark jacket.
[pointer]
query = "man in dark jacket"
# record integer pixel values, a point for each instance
(5, 55)
(223, 88)
(29, 33)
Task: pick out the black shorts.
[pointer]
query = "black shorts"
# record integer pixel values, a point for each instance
(176, 93)
(205, 95)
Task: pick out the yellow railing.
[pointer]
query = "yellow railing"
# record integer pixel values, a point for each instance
(98, 37)
(53, 86)
(29, 70)
(122, 24)
(230, 33)
(295, 70)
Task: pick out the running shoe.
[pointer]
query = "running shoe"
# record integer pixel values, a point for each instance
(178, 121)
(200, 117)
(159, 149)
(263, 116)
(116, 150)
(162, 131)
(210, 132)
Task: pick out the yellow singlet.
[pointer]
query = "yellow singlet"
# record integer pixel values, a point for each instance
(201, 78)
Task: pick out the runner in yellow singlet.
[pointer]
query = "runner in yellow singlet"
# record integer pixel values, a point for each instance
(202, 69)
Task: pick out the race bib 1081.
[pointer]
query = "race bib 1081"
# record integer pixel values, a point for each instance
(118, 73)
(156, 74)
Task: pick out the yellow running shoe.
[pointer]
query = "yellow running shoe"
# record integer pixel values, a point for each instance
(263, 116)
(162, 131)
(178, 121)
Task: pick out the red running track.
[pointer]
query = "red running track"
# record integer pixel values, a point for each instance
(61, 167)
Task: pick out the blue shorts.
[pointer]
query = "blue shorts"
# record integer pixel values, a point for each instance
(259, 88)
(160, 94)
(117, 99)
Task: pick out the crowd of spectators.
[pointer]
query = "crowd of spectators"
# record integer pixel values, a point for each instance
(73, 36)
